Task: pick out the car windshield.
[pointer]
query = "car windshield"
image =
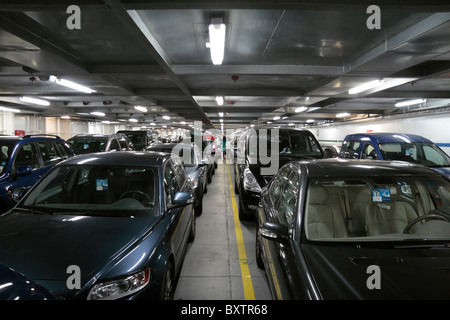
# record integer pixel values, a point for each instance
(88, 145)
(137, 138)
(5, 154)
(382, 208)
(96, 190)
(427, 154)
(290, 144)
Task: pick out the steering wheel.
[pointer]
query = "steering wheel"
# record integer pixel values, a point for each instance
(425, 217)
(133, 193)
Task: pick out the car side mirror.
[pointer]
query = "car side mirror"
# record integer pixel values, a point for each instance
(18, 193)
(181, 199)
(23, 171)
(274, 232)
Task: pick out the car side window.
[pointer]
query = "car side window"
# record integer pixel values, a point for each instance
(178, 166)
(170, 182)
(27, 156)
(114, 145)
(369, 152)
(49, 153)
(123, 144)
(278, 183)
(63, 150)
(288, 200)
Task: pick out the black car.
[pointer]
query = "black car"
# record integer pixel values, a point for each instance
(91, 143)
(110, 225)
(355, 229)
(260, 153)
(141, 139)
(197, 171)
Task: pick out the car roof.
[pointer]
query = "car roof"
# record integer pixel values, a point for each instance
(383, 137)
(138, 158)
(357, 168)
(168, 146)
(15, 139)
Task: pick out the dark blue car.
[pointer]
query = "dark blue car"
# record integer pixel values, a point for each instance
(24, 160)
(396, 146)
(103, 226)
(15, 286)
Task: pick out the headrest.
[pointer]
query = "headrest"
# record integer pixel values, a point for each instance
(318, 194)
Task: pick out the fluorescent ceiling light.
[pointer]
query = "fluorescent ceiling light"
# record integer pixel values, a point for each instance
(291, 124)
(133, 120)
(219, 100)
(310, 121)
(152, 123)
(140, 108)
(221, 120)
(410, 102)
(276, 118)
(341, 115)
(182, 122)
(220, 114)
(40, 102)
(300, 109)
(70, 84)
(166, 117)
(10, 109)
(65, 117)
(217, 40)
(98, 113)
(269, 122)
(366, 86)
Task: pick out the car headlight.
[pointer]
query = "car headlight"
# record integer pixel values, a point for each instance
(194, 182)
(250, 182)
(119, 288)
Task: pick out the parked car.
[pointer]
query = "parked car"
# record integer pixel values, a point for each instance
(141, 139)
(251, 166)
(15, 286)
(122, 218)
(396, 146)
(91, 143)
(192, 162)
(355, 229)
(24, 160)
(208, 157)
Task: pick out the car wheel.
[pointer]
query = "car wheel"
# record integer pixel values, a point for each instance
(210, 177)
(167, 289)
(193, 227)
(199, 208)
(259, 260)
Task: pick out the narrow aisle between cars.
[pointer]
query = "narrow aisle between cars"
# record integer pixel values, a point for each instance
(212, 266)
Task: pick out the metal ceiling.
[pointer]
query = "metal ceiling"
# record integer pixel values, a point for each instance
(278, 56)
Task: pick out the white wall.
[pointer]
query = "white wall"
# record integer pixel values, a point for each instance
(435, 127)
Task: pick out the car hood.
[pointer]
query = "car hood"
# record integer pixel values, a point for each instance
(341, 272)
(42, 247)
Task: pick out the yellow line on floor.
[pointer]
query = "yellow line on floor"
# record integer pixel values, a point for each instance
(249, 293)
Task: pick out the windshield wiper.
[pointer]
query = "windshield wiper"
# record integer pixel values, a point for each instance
(445, 245)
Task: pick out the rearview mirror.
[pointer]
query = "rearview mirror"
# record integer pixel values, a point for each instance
(274, 231)
(18, 193)
(181, 199)
(23, 170)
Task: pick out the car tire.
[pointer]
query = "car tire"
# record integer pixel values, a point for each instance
(259, 260)
(210, 177)
(167, 289)
(193, 228)
(199, 208)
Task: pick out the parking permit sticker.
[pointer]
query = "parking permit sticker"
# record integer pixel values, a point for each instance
(381, 195)
(101, 184)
